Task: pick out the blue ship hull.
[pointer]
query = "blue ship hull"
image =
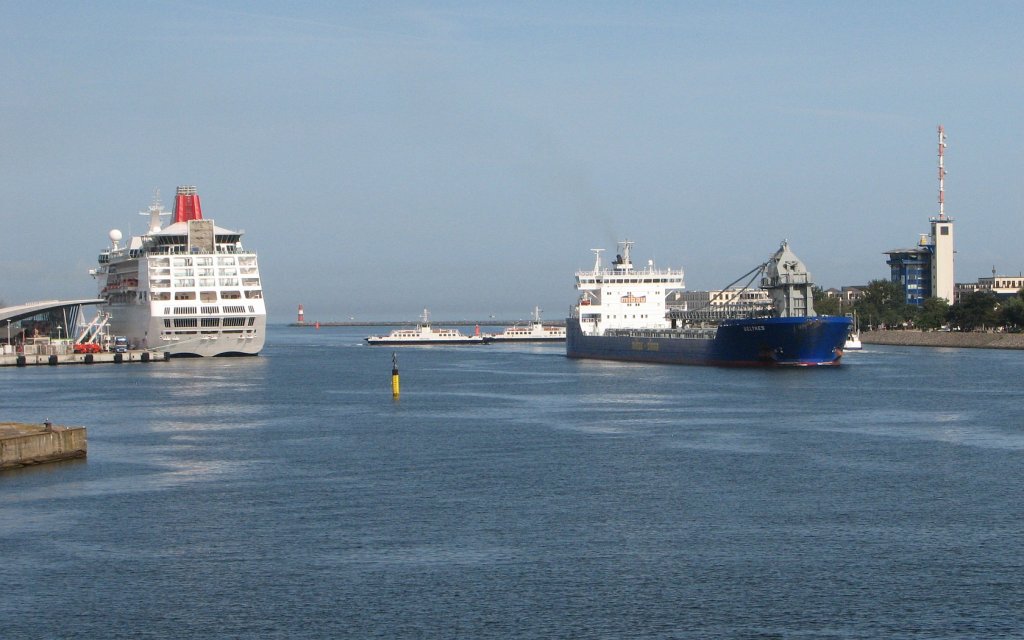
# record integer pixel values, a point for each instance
(746, 342)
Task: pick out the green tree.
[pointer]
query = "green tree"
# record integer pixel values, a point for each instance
(976, 310)
(825, 305)
(934, 313)
(883, 303)
(1011, 313)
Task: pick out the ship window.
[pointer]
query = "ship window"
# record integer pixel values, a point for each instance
(208, 296)
(230, 295)
(167, 322)
(252, 321)
(186, 322)
(185, 295)
(234, 322)
(210, 322)
(254, 294)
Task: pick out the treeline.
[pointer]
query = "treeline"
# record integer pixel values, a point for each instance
(883, 306)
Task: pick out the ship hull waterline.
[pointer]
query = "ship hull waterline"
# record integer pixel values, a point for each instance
(749, 342)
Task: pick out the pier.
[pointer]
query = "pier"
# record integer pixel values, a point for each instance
(59, 356)
(26, 444)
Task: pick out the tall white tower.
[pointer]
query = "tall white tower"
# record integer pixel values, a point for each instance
(943, 280)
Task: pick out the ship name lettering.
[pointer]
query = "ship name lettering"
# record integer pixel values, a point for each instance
(757, 327)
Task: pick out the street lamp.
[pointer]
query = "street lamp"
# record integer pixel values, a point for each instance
(59, 329)
(8, 331)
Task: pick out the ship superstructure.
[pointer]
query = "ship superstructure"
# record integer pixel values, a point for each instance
(187, 289)
(628, 314)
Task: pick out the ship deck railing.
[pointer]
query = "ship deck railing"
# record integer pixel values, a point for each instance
(721, 312)
(687, 333)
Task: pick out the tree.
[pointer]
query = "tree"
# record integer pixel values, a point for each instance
(934, 313)
(1011, 313)
(976, 310)
(825, 305)
(883, 303)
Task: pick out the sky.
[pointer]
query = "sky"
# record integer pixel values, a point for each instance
(384, 157)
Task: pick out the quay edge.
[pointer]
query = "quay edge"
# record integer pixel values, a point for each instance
(953, 339)
(103, 357)
(28, 444)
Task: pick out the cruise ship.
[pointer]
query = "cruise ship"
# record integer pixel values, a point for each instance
(185, 289)
(624, 314)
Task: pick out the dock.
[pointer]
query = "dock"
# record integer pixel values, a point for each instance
(56, 356)
(26, 444)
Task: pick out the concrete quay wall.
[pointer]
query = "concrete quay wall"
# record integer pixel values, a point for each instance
(34, 359)
(22, 445)
(960, 339)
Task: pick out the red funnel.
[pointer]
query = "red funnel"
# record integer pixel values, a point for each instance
(186, 205)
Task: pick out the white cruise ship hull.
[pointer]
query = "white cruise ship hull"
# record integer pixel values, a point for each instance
(145, 327)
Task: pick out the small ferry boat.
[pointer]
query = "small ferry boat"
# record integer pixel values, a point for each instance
(425, 334)
(536, 331)
(853, 342)
(623, 314)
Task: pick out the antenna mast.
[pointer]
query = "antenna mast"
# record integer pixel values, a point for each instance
(942, 173)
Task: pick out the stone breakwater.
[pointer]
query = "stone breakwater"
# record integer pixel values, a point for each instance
(25, 444)
(962, 339)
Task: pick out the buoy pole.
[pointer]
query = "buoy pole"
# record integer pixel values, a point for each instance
(394, 375)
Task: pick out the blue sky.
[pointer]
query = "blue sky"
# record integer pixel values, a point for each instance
(385, 157)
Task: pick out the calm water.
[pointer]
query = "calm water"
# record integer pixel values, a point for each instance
(514, 493)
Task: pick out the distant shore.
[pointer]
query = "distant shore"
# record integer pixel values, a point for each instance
(409, 323)
(961, 339)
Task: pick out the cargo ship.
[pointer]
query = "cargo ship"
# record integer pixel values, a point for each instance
(638, 315)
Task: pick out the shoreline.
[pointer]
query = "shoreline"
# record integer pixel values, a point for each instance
(957, 339)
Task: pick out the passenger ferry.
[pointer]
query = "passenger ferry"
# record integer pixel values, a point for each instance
(425, 334)
(185, 289)
(536, 331)
(623, 314)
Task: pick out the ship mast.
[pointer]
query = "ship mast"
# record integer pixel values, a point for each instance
(156, 209)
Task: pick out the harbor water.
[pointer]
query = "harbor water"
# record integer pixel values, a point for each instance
(511, 492)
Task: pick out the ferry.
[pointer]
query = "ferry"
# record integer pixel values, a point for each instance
(624, 313)
(535, 331)
(185, 289)
(425, 334)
